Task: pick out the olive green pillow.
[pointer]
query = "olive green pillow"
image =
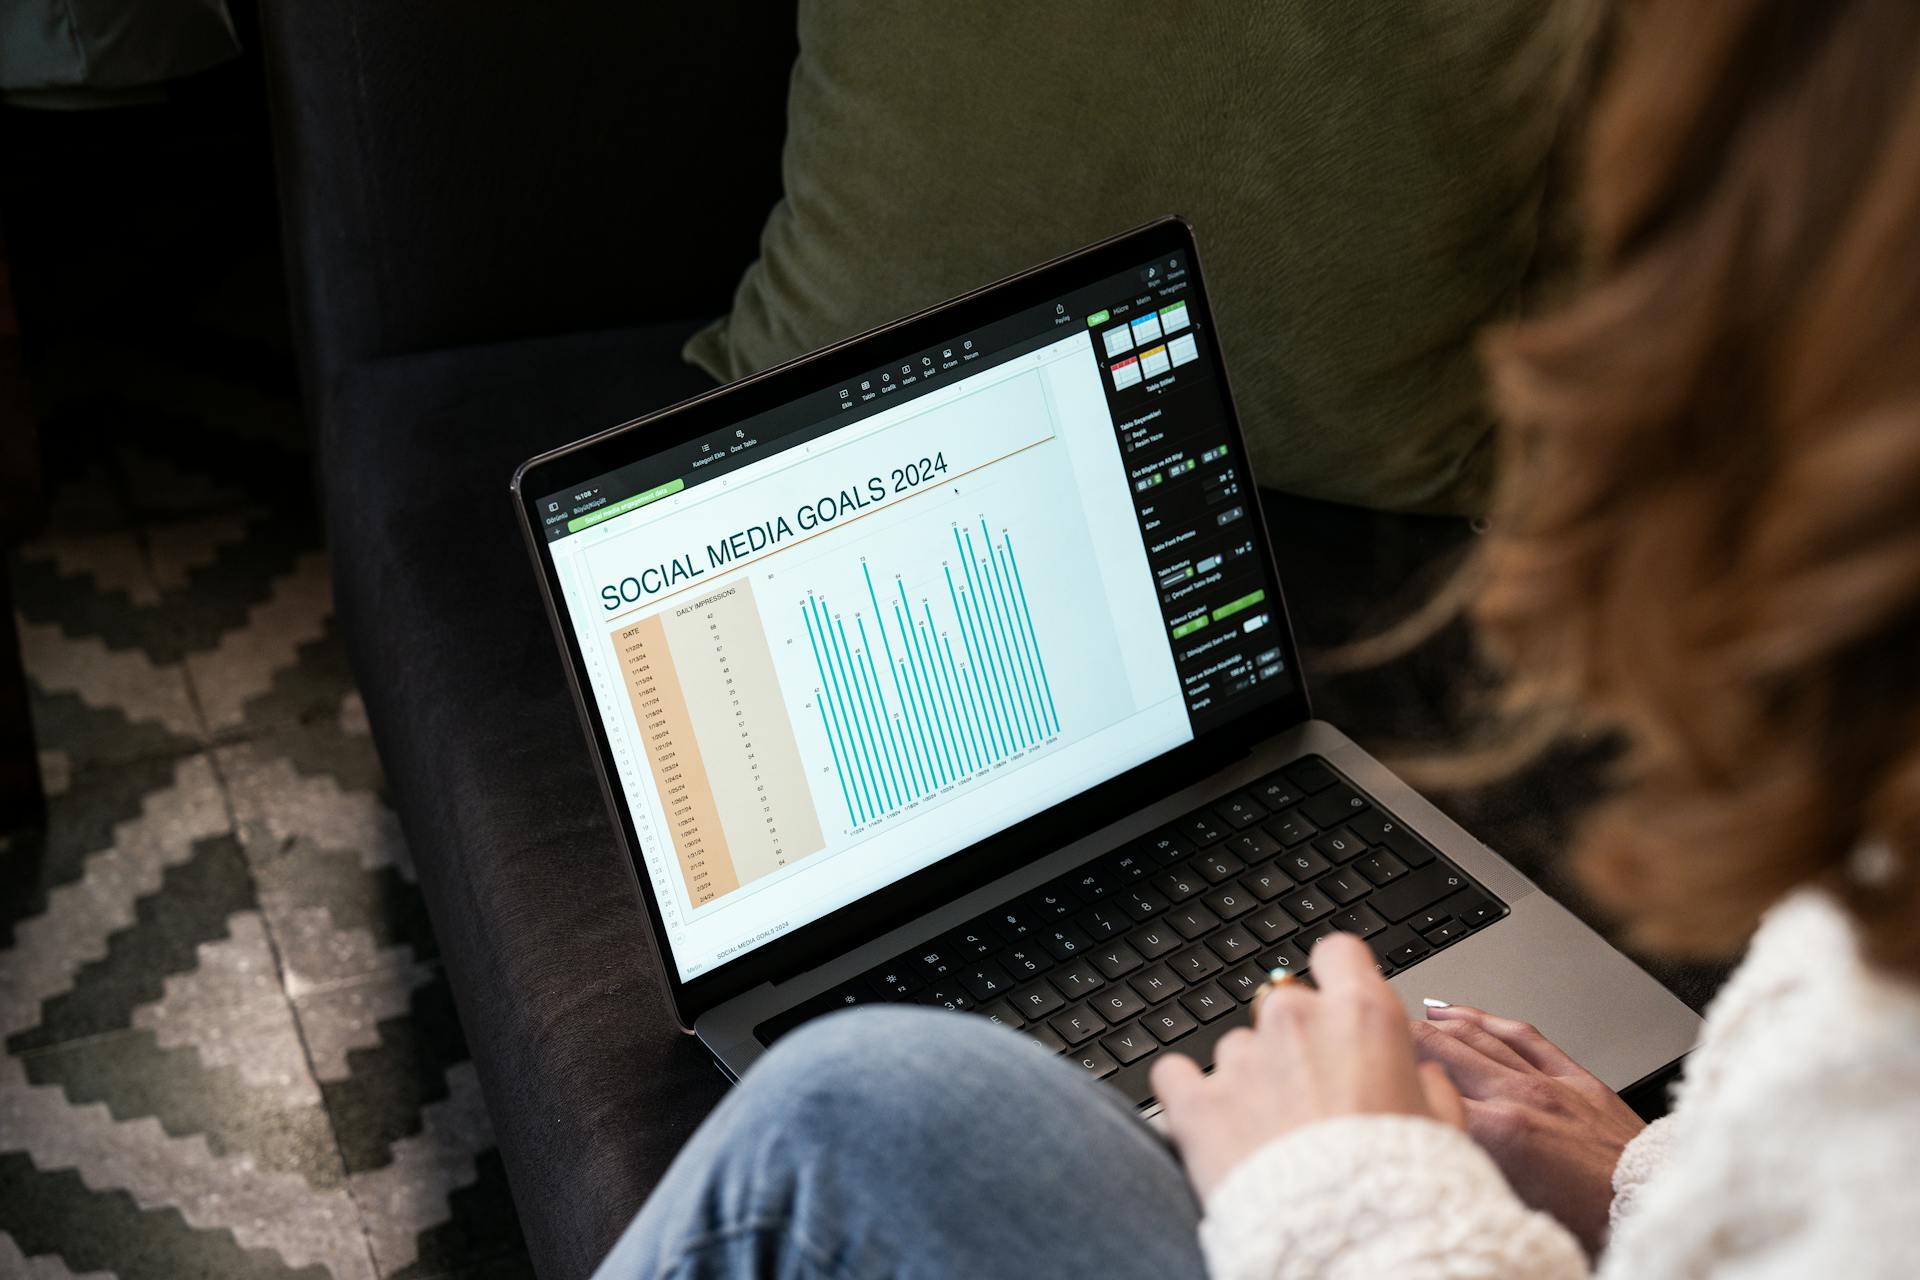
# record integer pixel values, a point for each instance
(1364, 180)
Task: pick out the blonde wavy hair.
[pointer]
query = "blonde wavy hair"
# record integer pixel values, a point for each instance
(1706, 536)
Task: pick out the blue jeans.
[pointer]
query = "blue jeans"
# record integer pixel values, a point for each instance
(906, 1142)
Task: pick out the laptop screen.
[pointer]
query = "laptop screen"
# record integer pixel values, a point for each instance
(838, 641)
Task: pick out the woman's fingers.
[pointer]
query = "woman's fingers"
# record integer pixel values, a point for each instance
(1476, 1075)
(1523, 1038)
(1344, 969)
(1468, 1031)
(1443, 1100)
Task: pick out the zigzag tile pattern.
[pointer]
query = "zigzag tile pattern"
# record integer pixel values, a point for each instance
(229, 1047)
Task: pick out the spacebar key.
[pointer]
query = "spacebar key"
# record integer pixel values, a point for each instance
(1196, 1044)
(1401, 898)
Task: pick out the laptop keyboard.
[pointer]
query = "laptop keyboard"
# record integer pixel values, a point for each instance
(1163, 943)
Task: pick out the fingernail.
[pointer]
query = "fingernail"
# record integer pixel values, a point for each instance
(1431, 1003)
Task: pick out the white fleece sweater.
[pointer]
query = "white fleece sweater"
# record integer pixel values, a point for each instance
(1793, 1150)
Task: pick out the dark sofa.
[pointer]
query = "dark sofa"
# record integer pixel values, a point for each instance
(502, 220)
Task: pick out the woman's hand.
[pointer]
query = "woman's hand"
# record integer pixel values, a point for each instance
(1343, 1050)
(1554, 1129)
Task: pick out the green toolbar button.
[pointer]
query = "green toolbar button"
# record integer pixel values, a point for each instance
(1098, 317)
(1188, 627)
(1232, 607)
(625, 505)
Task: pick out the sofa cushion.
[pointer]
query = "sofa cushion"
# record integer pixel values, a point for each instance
(590, 1088)
(1364, 182)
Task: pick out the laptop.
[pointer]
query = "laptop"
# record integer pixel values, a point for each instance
(949, 665)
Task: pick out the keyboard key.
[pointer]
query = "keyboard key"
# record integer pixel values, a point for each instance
(933, 962)
(1244, 982)
(1064, 941)
(1208, 1002)
(1422, 888)
(1344, 886)
(1306, 905)
(1441, 935)
(1292, 828)
(1269, 924)
(1155, 983)
(1093, 883)
(1229, 902)
(1304, 863)
(1118, 1002)
(1076, 979)
(1127, 866)
(1168, 1023)
(1310, 775)
(1275, 792)
(1179, 885)
(1380, 867)
(974, 941)
(894, 981)
(1361, 921)
(1154, 940)
(1287, 956)
(1240, 811)
(1376, 828)
(1340, 845)
(1192, 920)
(1312, 934)
(1142, 904)
(1055, 902)
(1130, 1044)
(1166, 846)
(1471, 908)
(1094, 1060)
(1077, 1024)
(1035, 1001)
(1116, 959)
(1012, 922)
(1233, 945)
(1409, 951)
(1252, 846)
(1421, 921)
(947, 995)
(1196, 963)
(1202, 828)
(1218, 866)
(986, 980)
(1104, 922)
(1025, 961)
(1333, 806)
(1041, 1034)
(1001, 1012)
(1266, 883)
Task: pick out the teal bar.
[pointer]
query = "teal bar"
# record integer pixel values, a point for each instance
(973, 714)
(929, 738)
(1024, 680)
(875, 759)
(916, 766)
(845, 796)
(883, 719)
(1020, 646)
(843, 708)
(869, 727)
(973, 664)
(1003, 686)
(1013, 562)
(833, 742)
(936, 734)
(923, 635)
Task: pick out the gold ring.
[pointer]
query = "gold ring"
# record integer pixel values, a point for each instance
(1277, 979)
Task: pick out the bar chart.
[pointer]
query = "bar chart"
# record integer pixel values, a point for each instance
(920, 690)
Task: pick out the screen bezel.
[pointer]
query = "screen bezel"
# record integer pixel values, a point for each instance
(973, 866)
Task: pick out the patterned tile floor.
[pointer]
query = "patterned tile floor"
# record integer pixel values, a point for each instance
(229, 1047)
